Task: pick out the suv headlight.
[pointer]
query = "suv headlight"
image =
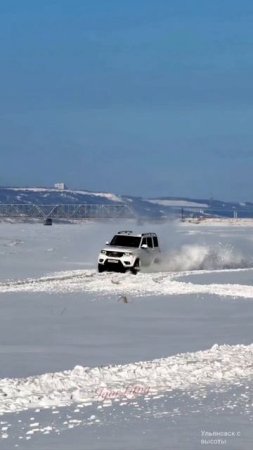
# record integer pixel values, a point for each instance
(103, 251)
(128, 254)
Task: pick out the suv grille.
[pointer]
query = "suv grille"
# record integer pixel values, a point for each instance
(115, 254)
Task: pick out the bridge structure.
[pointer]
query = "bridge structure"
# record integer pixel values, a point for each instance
(110, 211)
(66, 211)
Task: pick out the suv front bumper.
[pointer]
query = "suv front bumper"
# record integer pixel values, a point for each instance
(116, 264)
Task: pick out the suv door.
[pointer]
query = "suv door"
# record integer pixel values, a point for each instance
(150, 243)
(155, 242)
(146, 253)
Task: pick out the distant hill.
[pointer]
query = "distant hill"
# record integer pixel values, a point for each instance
(155, 208)
(48, 196)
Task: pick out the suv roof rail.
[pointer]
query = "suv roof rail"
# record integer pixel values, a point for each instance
(125, 232)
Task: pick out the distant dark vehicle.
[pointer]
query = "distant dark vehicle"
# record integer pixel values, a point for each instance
(48, 221)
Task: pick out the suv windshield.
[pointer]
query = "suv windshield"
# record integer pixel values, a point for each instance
(126, 241)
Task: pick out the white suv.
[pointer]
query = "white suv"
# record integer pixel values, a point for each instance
(129, 251)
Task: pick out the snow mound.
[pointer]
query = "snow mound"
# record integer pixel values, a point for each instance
(219, 366)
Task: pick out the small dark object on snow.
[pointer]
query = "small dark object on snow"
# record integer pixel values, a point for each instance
(48, 221)
(123, 298)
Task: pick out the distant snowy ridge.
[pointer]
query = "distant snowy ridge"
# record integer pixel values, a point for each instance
(219, 366)
(108, 195)
(179, 203)
(59, 192)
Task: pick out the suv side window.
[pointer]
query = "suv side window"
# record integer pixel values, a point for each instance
(150, 243)
(155, 240)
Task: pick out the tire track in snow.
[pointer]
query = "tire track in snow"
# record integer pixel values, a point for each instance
(116, 283)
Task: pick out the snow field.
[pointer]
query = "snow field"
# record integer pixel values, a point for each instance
(70, 376)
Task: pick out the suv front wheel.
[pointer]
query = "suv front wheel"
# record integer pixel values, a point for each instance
(136, 268)
(101, 268)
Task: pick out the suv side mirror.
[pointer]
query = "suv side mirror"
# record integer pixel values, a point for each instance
(107, 243)
(144, 246)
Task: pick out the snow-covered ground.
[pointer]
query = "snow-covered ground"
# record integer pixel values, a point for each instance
(161, 360)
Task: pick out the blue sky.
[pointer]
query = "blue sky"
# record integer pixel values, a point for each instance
(141, 97)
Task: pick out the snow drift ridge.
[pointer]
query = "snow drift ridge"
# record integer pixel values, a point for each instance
(220, 365)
